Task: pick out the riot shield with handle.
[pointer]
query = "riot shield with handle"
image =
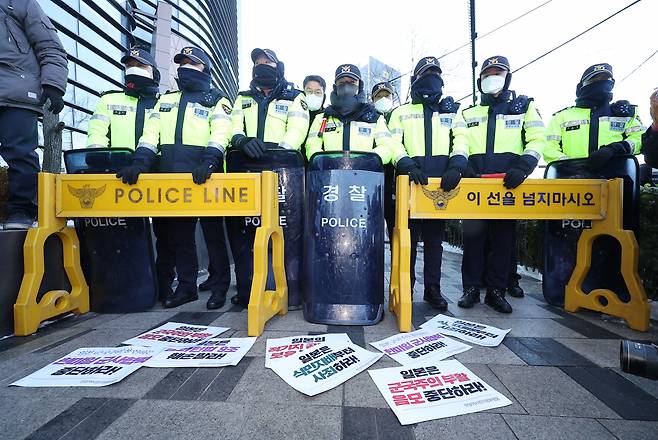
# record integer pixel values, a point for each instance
(561, 236)
(344, 239)
(289, 166)
(117, 255)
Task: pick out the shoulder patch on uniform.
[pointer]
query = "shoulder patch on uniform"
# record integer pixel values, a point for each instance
(563, 109)
(304, 105)
(227, 109)
(109, 92)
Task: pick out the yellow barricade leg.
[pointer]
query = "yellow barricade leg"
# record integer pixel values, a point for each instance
(28, 313)
(263, 304)
(637, 311)
(399, 301)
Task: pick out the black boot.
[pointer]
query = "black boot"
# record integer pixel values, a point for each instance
(238, 302)
(434, 297)
(205, 286)
(216, 300)
(470, 297)
(514, 289)
(495, 298)
(180, 298)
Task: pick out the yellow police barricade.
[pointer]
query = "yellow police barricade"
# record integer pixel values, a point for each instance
(155, 195)
(536, 199)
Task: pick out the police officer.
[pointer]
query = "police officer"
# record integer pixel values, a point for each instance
(594, 128)
(351, 124)
(271, 112)
(425, 126)
(120, 114)
(382, 99)
(315, 89)
(32, 71)
(192, 128)
(503, 134)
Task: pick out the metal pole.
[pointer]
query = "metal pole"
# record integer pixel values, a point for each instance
(474, 35)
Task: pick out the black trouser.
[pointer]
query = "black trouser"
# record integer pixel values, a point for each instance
(219, 270)
(176, 249)
(487, 249)
(389, 201)
(514, 277)
(432, 232)
(18, 140)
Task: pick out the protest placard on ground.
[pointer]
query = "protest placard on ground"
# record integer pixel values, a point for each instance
(468, 331)
(175, 334)
(424, 345)
(214, 352)
(324, 367)
(90, 367)
(281, 348)
(434, 391)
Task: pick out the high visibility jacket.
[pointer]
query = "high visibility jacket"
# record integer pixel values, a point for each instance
(186, 136)
(281, 117)
(368, 133)
(574, 133)
(118, 120)
(496, 135)
(427, 135)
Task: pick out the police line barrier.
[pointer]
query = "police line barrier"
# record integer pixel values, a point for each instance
(561, 199)
(155, 195)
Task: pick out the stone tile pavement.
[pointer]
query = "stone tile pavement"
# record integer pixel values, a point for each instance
(561, 371)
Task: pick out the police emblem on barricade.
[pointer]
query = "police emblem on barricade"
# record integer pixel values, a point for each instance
(87, 195)
(440, 197)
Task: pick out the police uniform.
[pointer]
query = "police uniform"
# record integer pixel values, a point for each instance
(190, 129)
(504, 134)
(583, 129)
(119, 117)
(279, 118)
(364, 130)
(425, 127)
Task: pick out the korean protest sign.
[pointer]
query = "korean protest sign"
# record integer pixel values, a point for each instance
(213, 352)
(175, 334)
(281, 348)
(468, 331)
(424, 345)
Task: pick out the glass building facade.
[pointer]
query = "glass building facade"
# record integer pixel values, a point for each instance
(95, 34)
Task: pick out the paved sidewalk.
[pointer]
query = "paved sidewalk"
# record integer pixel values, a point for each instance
(561, 372)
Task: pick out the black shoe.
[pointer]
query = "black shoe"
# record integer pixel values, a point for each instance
(205, 286)
(216, 300)
(178, 299)
(495, 298)
(433, 296)
(18, 221)
(470, 297)
(515, 290)
(236, 301)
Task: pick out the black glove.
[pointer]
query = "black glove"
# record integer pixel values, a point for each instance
(517, 174)
(130, 174)
(451, 177)
(142, 161)
(252, 147)
(202, 173)
(599, 158)
(55, 95)
(406, 165)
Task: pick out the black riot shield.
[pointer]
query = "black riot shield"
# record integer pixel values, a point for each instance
(561, 236)
(344, 239)
(116, 254)
(289, 165)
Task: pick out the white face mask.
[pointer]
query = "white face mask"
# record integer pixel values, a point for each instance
(384, 105)
(493, 84)
(138, 71)
(314, 102)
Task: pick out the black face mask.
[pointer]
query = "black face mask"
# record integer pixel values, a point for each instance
(427, 89)
(346, 98)
(137, 85)
(192, 80)
(595, 94)
(266, 77)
